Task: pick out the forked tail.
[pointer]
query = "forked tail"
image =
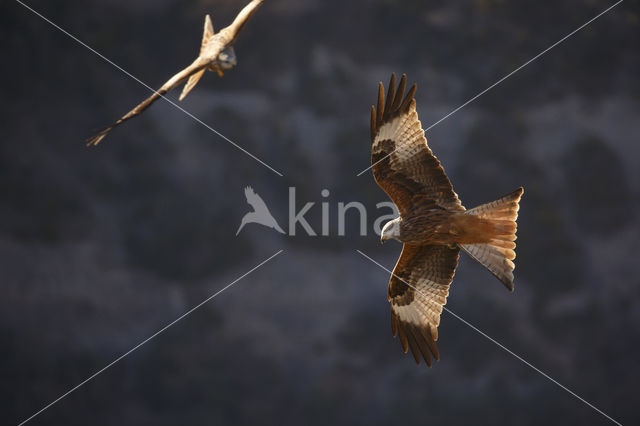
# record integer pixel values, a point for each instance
(497, 255)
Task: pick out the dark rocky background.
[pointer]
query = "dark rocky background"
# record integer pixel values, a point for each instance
(102, 247)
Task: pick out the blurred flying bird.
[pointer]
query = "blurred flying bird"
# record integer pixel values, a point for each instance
(433, 224)
(260, 213)
(216, 54)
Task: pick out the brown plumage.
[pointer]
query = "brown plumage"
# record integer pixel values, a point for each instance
(433, 223)
(216, 54)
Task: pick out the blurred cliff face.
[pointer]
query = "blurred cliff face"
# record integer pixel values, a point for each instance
(102, 247)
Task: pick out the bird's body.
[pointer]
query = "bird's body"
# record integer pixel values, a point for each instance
(216, 54)
(433, 224)
(439, 226)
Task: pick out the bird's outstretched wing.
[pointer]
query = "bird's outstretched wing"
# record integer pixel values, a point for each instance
(260, 210)
(403, 164)
(233, 30)
(255, 200)
(174, 81)
(418, 290)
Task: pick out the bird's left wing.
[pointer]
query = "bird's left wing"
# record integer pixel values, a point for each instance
(403, 165)
(418, 290)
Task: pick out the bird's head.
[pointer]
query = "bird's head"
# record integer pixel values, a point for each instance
(227, 58)
(390, 230)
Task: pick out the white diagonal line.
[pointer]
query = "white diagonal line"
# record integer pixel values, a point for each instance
(499, 345)
(97, 373)
(505, 77)
(151, 88)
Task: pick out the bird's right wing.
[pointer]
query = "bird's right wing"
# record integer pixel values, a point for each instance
(418, 290)
(403, 165)
(242, 18)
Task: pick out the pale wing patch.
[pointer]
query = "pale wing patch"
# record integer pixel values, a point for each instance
(388, 131)
(426, 307)
(409, 313)
(406, 131)
(412, 142)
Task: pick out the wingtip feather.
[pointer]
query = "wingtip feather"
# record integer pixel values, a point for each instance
(398, 98)
(380, 102)
(97, 138)
(373, 122)
(391, 95)
(409, 98)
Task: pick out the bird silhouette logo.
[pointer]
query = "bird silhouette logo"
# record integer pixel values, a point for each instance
(260, 213)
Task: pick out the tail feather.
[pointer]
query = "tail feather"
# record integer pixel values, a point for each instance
(497, 255)
(207, 33)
